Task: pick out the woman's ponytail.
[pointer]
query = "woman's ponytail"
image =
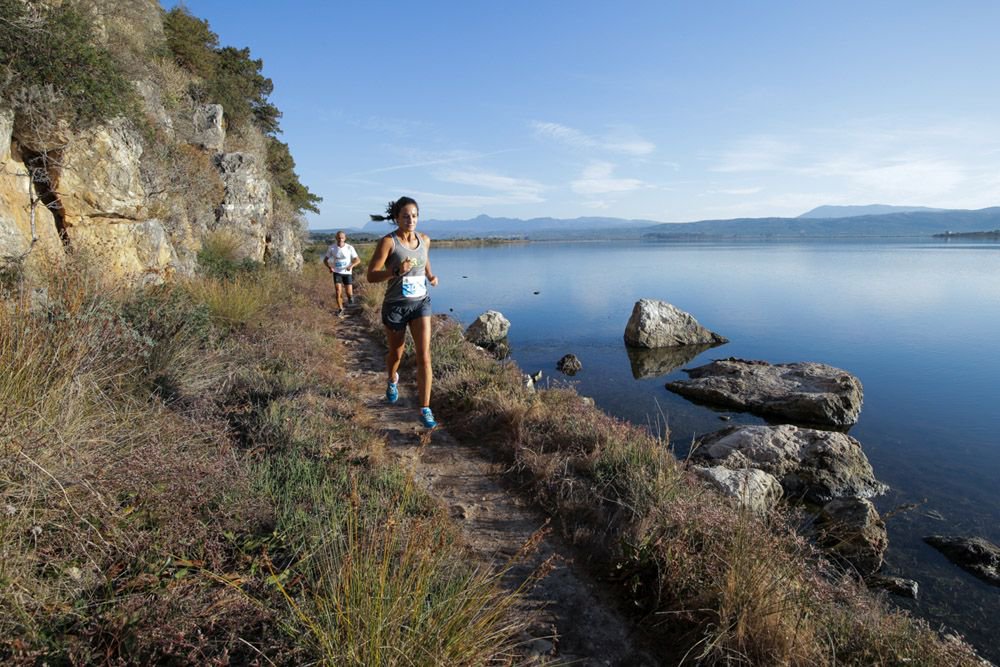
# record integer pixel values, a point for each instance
(394, 208)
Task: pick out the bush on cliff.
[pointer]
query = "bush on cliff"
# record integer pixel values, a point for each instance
(53, 55)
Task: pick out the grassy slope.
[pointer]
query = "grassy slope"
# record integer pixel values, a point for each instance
(188, 478)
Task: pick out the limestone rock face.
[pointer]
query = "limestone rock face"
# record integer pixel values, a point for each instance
(284, 245)
(973, 554)
(6, 130)
(851, 530)
(208, 130)
(100, 178)
(806, 393)
(488, 329)
(754, 489)
(811, 464)
(659, 324)
(139, 252)
(15, 209)
(246, 209)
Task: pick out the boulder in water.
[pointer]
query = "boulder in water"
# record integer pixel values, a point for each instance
(805, 392)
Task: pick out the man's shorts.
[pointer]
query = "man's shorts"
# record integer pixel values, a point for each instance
(343, 278)
(397, 314)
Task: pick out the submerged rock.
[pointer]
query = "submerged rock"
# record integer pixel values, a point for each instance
(805, 392)
(973, 554)
(569, 365)
(753, 489)
(851, 530)
(656, 324)
(814, 465)
(905, 588)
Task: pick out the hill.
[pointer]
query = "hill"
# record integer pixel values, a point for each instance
(871, 209)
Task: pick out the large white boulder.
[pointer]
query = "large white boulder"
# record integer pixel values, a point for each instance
(659, 324)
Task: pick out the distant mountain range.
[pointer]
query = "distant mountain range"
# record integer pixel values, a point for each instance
(871, 209)
(822, 222)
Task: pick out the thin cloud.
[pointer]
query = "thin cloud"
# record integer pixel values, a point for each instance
(597, 179)
(431, 161)
(620, 141)
(515, 189)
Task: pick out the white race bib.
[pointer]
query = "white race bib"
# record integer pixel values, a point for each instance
(342, 264)
(414, 287)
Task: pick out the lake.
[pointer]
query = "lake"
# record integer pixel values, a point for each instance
(917, 321)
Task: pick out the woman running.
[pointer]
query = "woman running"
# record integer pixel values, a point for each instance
(402, 258)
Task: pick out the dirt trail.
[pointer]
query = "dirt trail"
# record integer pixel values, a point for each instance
(574, 621)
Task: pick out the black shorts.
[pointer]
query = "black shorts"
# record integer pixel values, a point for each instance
(397, 314)
(343, 278)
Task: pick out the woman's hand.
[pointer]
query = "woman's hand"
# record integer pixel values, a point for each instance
(433, 280)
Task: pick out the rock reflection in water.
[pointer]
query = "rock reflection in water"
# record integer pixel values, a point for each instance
(651, 363)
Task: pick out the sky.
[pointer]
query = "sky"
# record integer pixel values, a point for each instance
(660, 110)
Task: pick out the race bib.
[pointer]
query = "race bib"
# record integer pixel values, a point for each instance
(341, 264)
(414, 287)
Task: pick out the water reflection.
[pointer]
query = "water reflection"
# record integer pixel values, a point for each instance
(651, 363)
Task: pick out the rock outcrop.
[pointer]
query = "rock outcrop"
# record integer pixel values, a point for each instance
(246, 208)
(804, 393)
(973, 554)
(488, 329)
(209, 132)
(753, 489)
(851, 531)
(814, 465)
(659, 324)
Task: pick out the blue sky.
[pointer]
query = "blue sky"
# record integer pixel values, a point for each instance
(670, 111)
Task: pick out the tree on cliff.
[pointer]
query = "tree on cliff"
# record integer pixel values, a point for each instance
(232, 78)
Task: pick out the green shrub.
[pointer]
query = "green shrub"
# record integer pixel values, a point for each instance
(56, 50)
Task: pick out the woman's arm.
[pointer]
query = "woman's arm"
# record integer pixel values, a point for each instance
(377, 272)
(431, 278)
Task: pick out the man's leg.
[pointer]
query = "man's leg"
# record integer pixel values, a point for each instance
(340, 295)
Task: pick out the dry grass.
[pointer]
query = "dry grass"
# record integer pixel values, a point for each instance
(163, 466)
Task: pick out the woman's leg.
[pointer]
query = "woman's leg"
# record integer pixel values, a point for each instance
(396, 341)
(420, 328)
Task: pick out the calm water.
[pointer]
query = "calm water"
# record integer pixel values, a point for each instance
(917, 322)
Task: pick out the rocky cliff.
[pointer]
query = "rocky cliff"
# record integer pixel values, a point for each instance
(136, 194)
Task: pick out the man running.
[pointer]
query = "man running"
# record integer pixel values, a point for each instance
(345, 258)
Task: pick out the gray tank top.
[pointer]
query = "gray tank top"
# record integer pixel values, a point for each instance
(410, 285)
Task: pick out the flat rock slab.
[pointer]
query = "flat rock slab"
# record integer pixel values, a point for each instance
(814, 465)
(973, 554)
(656, 324)
(803, 392)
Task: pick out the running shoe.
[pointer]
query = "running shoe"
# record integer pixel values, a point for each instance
(427, 418)
(392, 390)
